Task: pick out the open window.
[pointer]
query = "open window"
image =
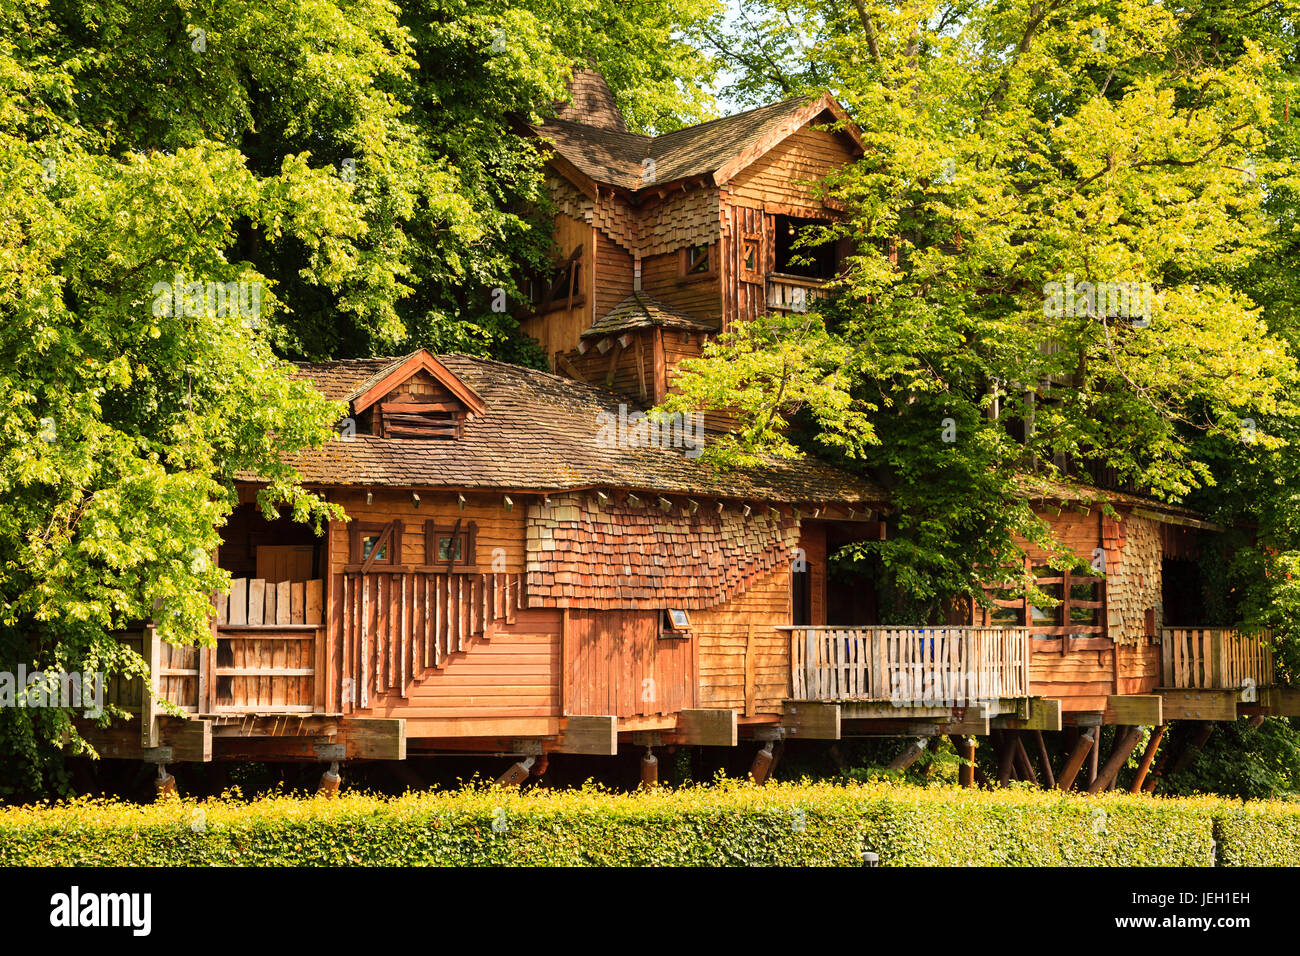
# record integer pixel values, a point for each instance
(560, 286)
(793, 258)
(450, 546)
(676, 623)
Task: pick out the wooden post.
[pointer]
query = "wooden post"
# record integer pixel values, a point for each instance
(761, 768)
(1188, 753)
(649, 770)
(329, 781)
(1124, 745)
(965, 747)
(1049, 778)
(1075, 761)
(908, 756)
(1093, 756)
(1022, 758)
(1006, 758)
(516, 773)
(1148, 755)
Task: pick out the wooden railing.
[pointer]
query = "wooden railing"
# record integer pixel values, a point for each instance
(270, 648)
(949, 666)
(1216, 658)
(399, 625)
(787, 293)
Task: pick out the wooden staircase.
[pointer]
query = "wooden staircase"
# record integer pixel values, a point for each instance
(398, 627)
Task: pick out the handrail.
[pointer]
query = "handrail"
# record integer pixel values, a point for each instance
(909, 666)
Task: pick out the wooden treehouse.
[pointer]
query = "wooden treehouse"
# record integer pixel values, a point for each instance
(529, 566)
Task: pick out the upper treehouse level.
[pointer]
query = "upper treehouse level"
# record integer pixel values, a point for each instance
(661, 241)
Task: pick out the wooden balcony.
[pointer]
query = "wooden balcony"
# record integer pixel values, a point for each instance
(911, 666)
(787, 293)
(1216, 658)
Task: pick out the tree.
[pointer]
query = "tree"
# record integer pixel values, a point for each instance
(191, 194)
(1053, 218)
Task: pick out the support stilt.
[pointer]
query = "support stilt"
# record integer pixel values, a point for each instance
(1022, 759)
(165, 785)
(965, 747)
(516, 773)
(329, 781)
(1006, 758)
(1125, 743)
(1148, 755)
(649, 769)
(908, 756)
(761, 768)
(1045, 761)
(1189, 752)
(1075, 761)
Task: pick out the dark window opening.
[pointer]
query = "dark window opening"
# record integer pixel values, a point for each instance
(801, 593)
(812, 262)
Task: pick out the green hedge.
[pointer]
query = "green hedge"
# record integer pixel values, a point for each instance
(729, 824)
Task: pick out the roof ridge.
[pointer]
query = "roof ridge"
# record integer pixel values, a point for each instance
(804, 99)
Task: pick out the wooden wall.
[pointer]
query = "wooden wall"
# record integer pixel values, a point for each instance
(558, 330)
(744, 659)
(812, 539)
(782, 175)
(616, 663)
(700, 297)
(614, 274)
(509, 684)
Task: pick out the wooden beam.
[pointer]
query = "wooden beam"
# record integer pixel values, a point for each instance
(1190, 749)
(1124, 745)
(1023, 763)
(1049, 778)
(190, 740)
(806, 720)
(908, 756)
(373, 738)
(588, 735)
(1199, 704)
(965, 747)
(707, 728)
(1133, 710)
(1044, 713)
(1148, 755)
(1074, 763)
(1285, 701)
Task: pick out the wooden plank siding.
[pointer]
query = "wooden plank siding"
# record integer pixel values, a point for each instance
(616, 664)
(744, 659)
(558, 329)
(779, 179)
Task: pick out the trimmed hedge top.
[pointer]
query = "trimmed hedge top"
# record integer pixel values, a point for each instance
(731, 823)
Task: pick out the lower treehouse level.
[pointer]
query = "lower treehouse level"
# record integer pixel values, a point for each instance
(255, 695)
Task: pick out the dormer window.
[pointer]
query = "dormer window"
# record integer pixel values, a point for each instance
(407, 416)
(417, 398)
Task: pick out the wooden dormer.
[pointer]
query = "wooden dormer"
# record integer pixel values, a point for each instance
(416, 397)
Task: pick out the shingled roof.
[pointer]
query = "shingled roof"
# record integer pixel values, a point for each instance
(615, 157)
(640, 311)
(541, 432)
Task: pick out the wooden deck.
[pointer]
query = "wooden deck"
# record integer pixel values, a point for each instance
(1216, 658)
(918, 666)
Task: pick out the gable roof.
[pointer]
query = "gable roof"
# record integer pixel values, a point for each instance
(641, 311)
(717, 149)
(541, 432)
